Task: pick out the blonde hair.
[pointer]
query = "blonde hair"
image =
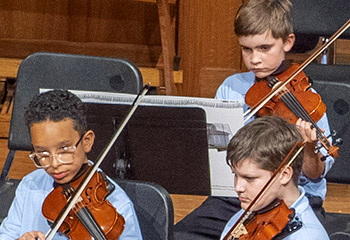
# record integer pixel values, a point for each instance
(258, 16)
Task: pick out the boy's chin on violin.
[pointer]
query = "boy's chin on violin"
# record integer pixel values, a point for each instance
(250, 179)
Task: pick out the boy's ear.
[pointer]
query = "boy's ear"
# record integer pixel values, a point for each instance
(288, 44)
(286, 175)
(88, 140)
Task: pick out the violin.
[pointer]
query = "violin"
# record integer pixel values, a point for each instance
(295, 100)
(85, 204)
(92, 205)
(288, 95)
(272, 221)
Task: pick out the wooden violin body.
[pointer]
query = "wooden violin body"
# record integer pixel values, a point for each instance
(293, 101)
(269, 222)
(286, 103)
(92, 204)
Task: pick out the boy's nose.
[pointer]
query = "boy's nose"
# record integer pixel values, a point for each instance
(54, 161)
(255, 58)
(239, 186)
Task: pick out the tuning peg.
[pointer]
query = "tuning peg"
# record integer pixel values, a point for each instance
(338, 142)
(333, 134)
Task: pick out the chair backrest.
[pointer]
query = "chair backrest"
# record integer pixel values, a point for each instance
(154, 208)
(340, 236)
(332, 82)
(313, 19)
(66, 71)
(320, 17)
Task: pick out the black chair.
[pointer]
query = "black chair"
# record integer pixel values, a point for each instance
(313, 19)
(332, 82)
(322, 18)
(64, 71)
(340, 236)
(153, 207)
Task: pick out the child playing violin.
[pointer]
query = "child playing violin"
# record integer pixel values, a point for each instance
(61, 140)
(265, 33)
(253, 154)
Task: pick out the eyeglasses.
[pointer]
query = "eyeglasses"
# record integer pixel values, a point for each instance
(65, 156)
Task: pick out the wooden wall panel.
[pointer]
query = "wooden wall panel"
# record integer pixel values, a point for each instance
(207, 44)
(342, 51)
(21, 166)
(118, 28)
(127, 29)
(113, 21)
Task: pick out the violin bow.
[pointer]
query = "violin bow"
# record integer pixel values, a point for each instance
(72, 201)
(238, 228)
(252, 111)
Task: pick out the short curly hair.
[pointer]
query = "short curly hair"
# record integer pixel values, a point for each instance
(56, 105)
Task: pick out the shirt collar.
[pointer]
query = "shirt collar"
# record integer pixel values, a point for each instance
(302, 202)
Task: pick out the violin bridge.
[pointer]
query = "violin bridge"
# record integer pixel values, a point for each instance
(238, 231)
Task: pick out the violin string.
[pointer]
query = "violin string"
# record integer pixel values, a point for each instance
(299, 111)
(292, 102)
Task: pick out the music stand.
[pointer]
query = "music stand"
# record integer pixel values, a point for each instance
(160, 144)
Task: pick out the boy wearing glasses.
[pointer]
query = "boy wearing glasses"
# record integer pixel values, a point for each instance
(57, 124)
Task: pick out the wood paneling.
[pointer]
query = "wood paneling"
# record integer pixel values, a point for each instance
(337, 198)
(211, 78)
(4, 125)
(342, 51)
(185, 204)
(142, 55)
(120, 28)
(21, 165)
(206, 41)
(106, 21)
